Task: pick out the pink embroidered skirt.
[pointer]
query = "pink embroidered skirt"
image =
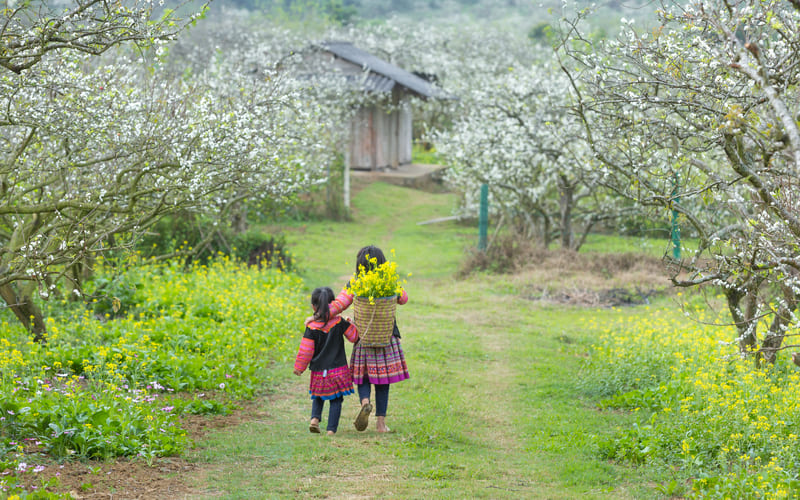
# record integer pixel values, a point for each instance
(379, 365)
(331, 384)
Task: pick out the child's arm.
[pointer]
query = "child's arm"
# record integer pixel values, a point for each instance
(351, 333)
(403, 298)
(341, 302)
(338, 305)
(304, 355)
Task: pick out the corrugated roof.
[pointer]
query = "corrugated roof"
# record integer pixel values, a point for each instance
(377, 83)
(368, 62)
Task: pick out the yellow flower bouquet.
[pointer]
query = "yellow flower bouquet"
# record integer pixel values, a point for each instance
(375, 294)
(378, 282)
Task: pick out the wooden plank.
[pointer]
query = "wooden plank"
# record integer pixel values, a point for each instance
(441, 219)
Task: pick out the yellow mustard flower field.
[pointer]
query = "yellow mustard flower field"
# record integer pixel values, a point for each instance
(156, 342)
(703, 411)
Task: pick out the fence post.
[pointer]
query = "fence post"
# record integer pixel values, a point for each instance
(676, 230)
(346, 176)
(483, 221)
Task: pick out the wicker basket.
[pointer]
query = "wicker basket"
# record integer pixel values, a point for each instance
(375, 322)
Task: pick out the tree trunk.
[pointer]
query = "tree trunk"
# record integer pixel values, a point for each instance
(565, 201)
(239, 217)
(585, 234)
(782, 320)
(26, 311)
(745, 325)
(546, 231)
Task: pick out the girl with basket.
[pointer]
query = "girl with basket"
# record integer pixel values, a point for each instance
(373, 361)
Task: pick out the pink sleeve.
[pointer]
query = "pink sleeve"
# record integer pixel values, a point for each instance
(403, 298)
(304, 354)
(351, 333)
(341, 302)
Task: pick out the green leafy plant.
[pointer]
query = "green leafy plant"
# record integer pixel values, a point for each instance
(102, 389)
(699, 408)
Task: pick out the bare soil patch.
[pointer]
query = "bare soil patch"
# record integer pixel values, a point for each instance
(614, 297)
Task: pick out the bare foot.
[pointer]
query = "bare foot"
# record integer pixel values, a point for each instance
(380, 424)
(331, 433)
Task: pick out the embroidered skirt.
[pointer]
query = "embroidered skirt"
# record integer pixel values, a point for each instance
(331, 384)
(379, 365)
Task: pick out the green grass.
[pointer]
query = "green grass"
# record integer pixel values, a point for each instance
(383, 216)
(492, 410)
(655, 247)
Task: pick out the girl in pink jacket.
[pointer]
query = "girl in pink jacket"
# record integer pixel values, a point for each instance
(322, 349)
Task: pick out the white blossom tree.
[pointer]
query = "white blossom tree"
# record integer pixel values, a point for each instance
(514, 132)
(510, 124)
(699, 114)
(34, 29)
(96, 147)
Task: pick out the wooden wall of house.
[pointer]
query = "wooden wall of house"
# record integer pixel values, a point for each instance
(380, 139)
(361, 139)
(384, 137)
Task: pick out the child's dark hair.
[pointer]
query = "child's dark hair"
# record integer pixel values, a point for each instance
(362, 261)
(320, 300)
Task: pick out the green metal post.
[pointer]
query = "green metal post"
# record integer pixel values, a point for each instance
(676, 230)
(483, 221)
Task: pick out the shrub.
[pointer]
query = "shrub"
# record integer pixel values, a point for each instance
(256, 249)
(188, 231)
(506, 254)
(112, 296)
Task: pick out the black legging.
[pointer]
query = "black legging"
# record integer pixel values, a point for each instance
(381, 397)
(334, 412)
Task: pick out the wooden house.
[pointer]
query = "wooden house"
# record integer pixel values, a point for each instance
(380, 133)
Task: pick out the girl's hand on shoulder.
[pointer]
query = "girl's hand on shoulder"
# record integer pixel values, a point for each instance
(308, 320)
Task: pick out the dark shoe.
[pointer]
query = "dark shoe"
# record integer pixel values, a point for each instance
(362, 420)
(313, 428)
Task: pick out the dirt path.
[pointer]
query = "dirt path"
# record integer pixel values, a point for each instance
(269, 455)
(494, 396)
(365, 464)
(501, 442)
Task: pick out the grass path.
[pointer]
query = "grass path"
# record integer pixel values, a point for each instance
(491, 411)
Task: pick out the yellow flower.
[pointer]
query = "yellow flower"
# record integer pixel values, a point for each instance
(380, 281)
